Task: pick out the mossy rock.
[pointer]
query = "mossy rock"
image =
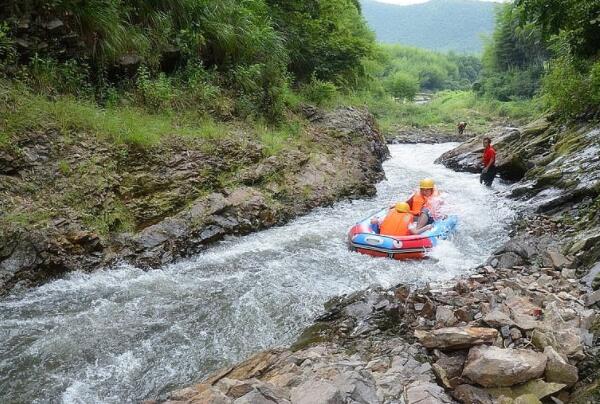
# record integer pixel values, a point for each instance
(314, 334)
(536, 128)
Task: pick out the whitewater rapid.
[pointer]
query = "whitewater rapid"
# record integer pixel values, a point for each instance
(123, 334)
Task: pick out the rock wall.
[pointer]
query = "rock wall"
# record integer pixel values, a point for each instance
(78, 202)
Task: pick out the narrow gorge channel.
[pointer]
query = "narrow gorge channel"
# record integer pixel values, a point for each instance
(123, 335)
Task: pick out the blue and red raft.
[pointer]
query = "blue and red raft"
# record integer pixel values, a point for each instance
(364, 239)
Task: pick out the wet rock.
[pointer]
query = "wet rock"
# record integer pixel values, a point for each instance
(509, 260)
(558, 370)
(467, 156)
(491, 366)
(425, 393)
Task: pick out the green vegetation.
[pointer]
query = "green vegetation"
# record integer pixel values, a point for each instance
(513, 59)
(430, 71)
(548, 49)
(445, 109)
(197, 60)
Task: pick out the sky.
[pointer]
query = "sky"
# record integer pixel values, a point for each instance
(407, 2)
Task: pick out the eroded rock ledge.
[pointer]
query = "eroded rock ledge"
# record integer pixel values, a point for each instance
(176, 197)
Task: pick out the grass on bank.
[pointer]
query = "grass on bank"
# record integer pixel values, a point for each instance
(444, 111)
(22, 110)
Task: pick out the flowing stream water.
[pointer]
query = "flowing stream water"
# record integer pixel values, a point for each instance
(123, 335)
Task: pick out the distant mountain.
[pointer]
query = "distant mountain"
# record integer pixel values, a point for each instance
(441, 25)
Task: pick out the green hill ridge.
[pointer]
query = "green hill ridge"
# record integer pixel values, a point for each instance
(442, 25)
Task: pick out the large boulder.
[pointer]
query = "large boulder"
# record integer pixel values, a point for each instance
(456, 337)
(491, 366)
(467, 157)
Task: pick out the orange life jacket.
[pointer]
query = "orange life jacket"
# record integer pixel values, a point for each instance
(396, 223)
(417, 201)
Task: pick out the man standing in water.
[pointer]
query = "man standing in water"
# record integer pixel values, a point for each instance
(488, 173)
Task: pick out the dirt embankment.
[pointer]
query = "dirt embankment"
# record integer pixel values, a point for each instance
(71, 201)
(524, 327)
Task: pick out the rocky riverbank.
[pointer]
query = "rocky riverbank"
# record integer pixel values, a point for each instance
(522, 328)
(74, 201)
(424, 135)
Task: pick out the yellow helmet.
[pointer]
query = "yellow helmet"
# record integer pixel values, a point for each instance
(402, 207)
(426, 183)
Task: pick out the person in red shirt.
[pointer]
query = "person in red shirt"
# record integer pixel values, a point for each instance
(488, 173)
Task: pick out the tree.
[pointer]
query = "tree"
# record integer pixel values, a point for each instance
(403, 85)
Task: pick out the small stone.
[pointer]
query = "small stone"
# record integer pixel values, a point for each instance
(515, 334)
(444, 316)
(505, 331)
(54, 24)
(497, 318)
(463, 315)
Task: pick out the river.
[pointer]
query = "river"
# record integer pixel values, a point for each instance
(122, 335)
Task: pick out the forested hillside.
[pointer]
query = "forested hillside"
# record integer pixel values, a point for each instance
(549, 51)
(443, 25)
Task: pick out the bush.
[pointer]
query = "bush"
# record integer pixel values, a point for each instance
(156, 94)
(48, 76)
(569, 89)
(403, 85)
(318, 91)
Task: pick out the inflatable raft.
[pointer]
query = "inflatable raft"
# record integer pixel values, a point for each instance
(363, 239)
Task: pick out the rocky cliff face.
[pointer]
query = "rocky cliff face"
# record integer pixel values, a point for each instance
(78, 202)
